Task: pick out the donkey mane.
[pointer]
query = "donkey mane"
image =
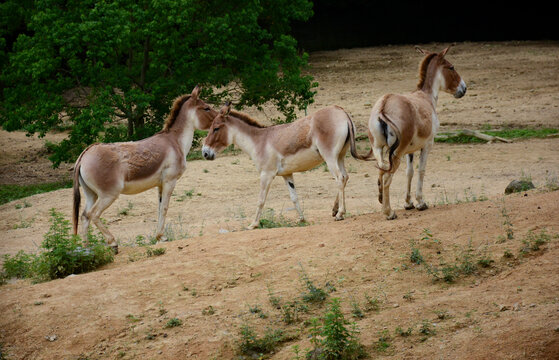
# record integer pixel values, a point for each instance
(423, 69)
(175, 109)
(246, 118)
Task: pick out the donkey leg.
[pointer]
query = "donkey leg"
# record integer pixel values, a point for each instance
(387, 180)
(265, 182)
(102, 203)
(378, 153)
(379, 183)
(90, 199)
(293, 195)
(409, 173)
(421, 205)
(165, 192)
(386, 209)
(337, 169)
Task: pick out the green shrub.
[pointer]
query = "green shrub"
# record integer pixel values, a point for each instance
(154, 252)
(332, 339)
(251, 344)
(18, 266)
(534, 242)
(63, 254)
(174, 322)
(415, 256)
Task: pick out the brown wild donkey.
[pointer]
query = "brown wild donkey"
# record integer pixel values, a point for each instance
(404, 124)
(105, 171)
(288, 148)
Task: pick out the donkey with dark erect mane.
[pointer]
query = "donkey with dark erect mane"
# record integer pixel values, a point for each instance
(288, 148)
(105, 171)
(404, 124)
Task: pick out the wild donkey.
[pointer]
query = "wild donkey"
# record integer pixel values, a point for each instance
(407, 123)
(288, 148)
(107, 170)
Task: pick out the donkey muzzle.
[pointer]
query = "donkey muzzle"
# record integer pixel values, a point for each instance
(461, 90)
(208, 153)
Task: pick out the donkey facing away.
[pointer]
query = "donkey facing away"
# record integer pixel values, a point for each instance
(404, 124)
(288, 148)
(105, 171)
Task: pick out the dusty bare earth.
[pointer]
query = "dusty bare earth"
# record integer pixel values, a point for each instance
(509, 310)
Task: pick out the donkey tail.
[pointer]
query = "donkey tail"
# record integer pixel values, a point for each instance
(76, 187)
(352, 147)
(77, 196)
(385, 123)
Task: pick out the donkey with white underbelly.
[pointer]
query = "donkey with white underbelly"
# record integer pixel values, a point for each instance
(105, 171)
(404, 124)
(288, 148)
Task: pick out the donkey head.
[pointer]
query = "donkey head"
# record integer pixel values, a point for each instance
(435, 68)
(201, 112)
(217, 138)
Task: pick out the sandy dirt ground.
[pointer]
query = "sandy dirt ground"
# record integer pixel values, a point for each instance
(509, 310)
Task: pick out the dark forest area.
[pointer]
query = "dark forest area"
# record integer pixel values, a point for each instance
(359, 23)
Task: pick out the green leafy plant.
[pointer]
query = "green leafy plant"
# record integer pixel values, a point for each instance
(313, 293)
(331, 337)
(534, 242)
(291, 310)
(371, 303)
(251, 344)
(402, 332)
(62, 254)
(415, 256)
(383, 342)
(356, 311)
(154, 252)
(174, 322)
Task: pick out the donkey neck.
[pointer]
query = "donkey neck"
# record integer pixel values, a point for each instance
(183, 130)
(246, 137)
(433, 82)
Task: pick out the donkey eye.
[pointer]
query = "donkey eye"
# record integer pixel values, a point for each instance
(207, 109)
(451, 68)
(216, 129)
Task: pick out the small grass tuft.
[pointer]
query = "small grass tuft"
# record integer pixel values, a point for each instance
(174, 322)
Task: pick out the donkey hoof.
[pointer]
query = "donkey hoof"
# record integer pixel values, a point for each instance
(252, 226)
(114, 248)
(422, 206)
(409, 206)
(392, 216)
(339, 218)
(380, 199)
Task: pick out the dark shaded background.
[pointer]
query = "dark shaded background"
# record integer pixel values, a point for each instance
(359, 23)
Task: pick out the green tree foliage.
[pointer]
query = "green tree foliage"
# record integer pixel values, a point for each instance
(109, 70)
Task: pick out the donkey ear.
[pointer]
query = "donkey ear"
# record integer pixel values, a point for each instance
(421, 51)
(225, 109)
(443, 53)
(195, 92)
